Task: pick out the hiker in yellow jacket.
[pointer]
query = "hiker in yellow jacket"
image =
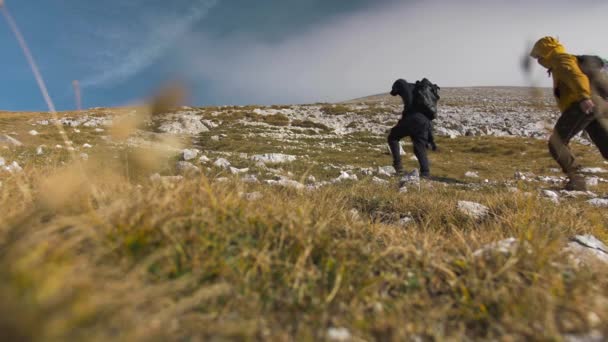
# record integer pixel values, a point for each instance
(582, 108)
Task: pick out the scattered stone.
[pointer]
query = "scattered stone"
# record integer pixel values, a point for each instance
(593, 170)
(223, 163)
(8, 140)
(406, 221)
(346, 175)
(33, 132)
(87, 146)
(381, 181)
(189, 154)
(311, 179)
(473, 210)
(386, 171)
(594, 335)
(250, 179)
(236, 171)
(273, 158)
(40, 150)
(599, 202)
(587, 248)
(592, 181)
(354, 214)
(84, 156)
(184, 167)
(13, 167)
(368, 171)
(577, 194)
(253, 196)
(412, 178)
(551, 195)
(204, 160)
(186, 123)
(471, 174)
(215, 138)
(286, 183)
(507, 247)
(525, 176)
(338, 334)
(99, 130)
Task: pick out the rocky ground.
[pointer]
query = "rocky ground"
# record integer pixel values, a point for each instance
(491, 141)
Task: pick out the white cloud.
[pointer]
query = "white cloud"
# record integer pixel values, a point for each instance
(131, 52)
(462, 43)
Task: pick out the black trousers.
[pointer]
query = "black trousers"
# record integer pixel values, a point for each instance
(572, 122)
(418, 127)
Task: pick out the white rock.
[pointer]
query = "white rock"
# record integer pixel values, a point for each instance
(593, 170)
(76, 130)
(236, 171)
(40, 150)
(253, 196)
(507, 246)
(412, 178)
(87, 145)
(58, 146)
(551, 195)
(587, 247)
(8, 140)
(221, 162)
(273, 158)
(250, 179)
(592, 181)
(386, 171)
(345, 175)
(2, 161)
(471, 174)
(215, 138)
(33, 132)
(599, 202)
(406, 221)
(204, 159)
(84, 156)
(286, 183)
(13, 167)
(338, 334)
(377, 180)
(311, 179)
(189, 153)
(99, 129)
(184, 123)
(185, 167)
(473, 210)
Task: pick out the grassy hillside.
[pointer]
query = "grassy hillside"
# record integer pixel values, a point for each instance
(92, 248)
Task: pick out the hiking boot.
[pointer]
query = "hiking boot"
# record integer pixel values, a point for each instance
(576, 182)
(399, 170)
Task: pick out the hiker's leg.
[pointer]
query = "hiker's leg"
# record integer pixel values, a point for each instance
(570, 123)
(397, 133)
(420, 143)
(598, 128)
(598, 132)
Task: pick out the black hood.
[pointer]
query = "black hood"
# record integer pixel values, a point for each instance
(404, 89)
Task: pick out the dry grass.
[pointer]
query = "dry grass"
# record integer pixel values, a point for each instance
(96, 251)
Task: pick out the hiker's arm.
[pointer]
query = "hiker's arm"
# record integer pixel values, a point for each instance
(432, 139)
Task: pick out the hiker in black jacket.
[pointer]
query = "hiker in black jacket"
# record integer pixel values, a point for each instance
(413, 124)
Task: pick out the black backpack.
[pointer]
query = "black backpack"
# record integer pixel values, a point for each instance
(426, 96)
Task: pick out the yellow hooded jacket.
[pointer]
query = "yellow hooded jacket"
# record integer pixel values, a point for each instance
(570, 84)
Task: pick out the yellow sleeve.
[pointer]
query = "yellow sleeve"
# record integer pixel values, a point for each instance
(572, 76)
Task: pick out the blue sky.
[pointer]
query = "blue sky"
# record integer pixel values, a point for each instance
(278, 51)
